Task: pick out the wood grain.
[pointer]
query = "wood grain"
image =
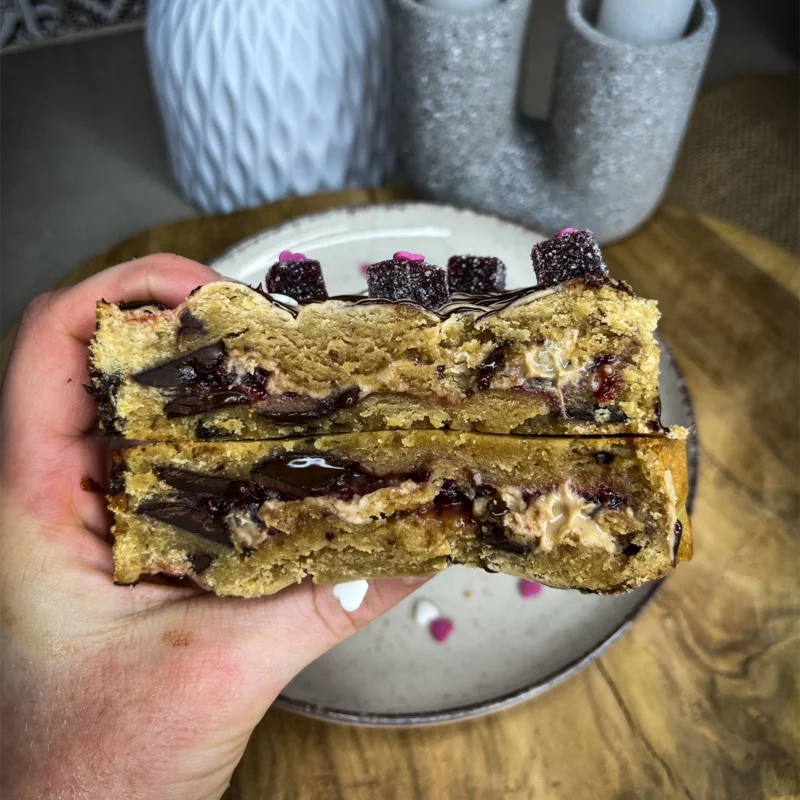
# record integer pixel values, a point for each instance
(700, 698)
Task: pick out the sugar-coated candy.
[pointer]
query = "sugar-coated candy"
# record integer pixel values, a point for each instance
(300, 279)
(476, 274)
(570, 254)
(416, 281)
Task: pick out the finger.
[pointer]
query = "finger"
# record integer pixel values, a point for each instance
(43, 391)
(46, 410)
(163, 277)
(287, 631)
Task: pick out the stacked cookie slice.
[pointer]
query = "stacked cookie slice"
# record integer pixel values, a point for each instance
(437, 419)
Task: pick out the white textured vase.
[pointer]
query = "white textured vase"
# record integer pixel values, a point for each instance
(267, 98)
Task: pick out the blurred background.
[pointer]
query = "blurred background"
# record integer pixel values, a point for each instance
(84, 162)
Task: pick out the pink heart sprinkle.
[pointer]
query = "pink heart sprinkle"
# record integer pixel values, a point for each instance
(404, 255)
(288, 255)
(566, 230)
(529, 588)
(441, 628)
(364, 268)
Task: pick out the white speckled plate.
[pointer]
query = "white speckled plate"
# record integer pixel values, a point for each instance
(504, 648)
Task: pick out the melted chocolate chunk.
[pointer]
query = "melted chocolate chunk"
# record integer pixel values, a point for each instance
(451, 500)
(192, 370)
(204, 502)
(490, 365)
(491, 531)
(631, 549)
(568, 256)
(104, 390)
(199, 382)
(412, 281)
(89, 484)
(655, 423)
(476, 274)
(495, 536)
(207, 433)
(198, 483)
(296, 476)
(200, 561)
(117, 483)
(290, 408)
(186, 405)
(190, 325)
(185, 513)
(133, 306)
(678, 537)
(586, 413)
(301, 280)
(604, 457)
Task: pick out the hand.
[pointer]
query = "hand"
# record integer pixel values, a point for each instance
(122, 692)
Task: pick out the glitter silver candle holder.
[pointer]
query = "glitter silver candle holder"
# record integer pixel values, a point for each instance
(602, 159)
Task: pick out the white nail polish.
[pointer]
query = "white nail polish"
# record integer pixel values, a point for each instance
(351, 594)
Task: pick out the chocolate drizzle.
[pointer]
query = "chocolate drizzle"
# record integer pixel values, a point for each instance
(484, 305)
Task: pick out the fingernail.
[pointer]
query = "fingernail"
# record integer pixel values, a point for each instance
(414, 580)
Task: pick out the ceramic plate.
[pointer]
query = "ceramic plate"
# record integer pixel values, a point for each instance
(504, 647)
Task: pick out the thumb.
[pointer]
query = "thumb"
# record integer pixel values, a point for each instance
(280, 635)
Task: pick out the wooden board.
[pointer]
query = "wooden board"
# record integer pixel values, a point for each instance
(700, 699)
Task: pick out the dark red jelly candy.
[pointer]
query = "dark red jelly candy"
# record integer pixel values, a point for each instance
(575, 254)
(301, 280)
(416, 281)
(476, 274)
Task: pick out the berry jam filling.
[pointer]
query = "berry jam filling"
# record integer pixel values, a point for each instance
(605, 380)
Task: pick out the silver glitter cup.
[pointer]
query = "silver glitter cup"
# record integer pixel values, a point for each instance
(602, 159)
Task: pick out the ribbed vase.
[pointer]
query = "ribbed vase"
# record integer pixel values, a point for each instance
(262, 99)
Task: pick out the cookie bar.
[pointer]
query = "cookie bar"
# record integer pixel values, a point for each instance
(574, 354)
(249, 518)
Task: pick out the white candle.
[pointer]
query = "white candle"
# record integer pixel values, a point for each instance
(460, 6)
(643, 21)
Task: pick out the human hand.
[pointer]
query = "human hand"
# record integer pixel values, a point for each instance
(133, 692)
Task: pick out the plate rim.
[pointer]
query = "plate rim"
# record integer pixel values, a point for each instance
(254, 238)
(555, 677)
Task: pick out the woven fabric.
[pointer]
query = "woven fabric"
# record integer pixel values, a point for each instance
(740, 159)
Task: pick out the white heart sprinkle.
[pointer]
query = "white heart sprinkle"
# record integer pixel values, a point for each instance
(425, 612)
(351, 594)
